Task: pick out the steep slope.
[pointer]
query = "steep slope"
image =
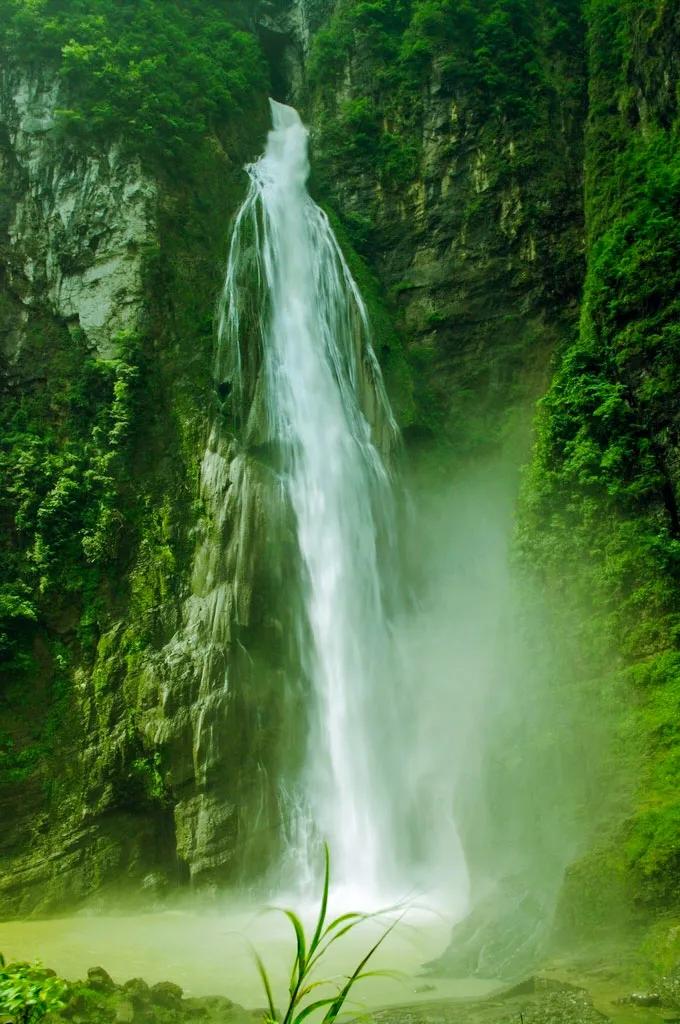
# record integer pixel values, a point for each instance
(600, 514)
(113, 241)
(449, 139)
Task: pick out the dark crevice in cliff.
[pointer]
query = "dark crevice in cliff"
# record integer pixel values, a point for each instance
(283, 55)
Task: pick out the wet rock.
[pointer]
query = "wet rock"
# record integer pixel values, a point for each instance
(75, 1007)
(217, 1004)
(531, 1002)
(100, 980)
(167, 994)
(137, 990)
(155, 883)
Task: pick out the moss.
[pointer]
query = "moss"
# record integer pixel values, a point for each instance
(378, 72)
(600, 520)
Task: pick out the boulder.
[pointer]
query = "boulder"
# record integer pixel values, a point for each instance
(167, 994)
(100, 980)
(137, 990)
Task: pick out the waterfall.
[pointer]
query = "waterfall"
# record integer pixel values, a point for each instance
(294, 345)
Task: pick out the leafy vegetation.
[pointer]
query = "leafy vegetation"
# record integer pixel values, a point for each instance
(28, 992)
(310, 952)
(62, 460)
(497, 54)
(600, 519)
(159, 74)
(66, 504)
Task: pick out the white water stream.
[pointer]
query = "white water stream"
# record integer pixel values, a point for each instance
(328, 416)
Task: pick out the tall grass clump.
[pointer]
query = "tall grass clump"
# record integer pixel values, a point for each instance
(310, 953)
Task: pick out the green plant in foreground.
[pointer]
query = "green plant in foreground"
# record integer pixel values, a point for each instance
(28, 992)
(308, 956)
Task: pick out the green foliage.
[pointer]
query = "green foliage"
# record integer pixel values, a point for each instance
(160, 74)
(600, 519)
(28, 992)
(494, 50)
(64, 475)
(310, 952)
(67, 505)
(143, 784)
(489, 48)
(17, 612)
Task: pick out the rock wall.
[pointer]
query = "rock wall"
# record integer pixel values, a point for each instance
(75, 224)
(469, 215)
(123, 761)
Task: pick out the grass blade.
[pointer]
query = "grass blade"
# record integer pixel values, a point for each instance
(324, 899)
(318, 1005)
(307, 957)
(352, 920)
(300, 964)
(262, 971)
(338, 1002)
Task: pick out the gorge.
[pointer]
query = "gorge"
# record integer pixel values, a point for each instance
(381, 547)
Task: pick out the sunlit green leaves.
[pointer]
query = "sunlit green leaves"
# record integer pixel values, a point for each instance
(308, 955)
(600, 519)
(28, 992)
(161, 74)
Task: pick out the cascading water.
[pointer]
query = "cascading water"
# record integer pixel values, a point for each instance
(295, 345)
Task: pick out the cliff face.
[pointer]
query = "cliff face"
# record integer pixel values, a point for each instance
(112, 732)
(599, 514)
(75, 225)
(75, 228)
(144, 622)
(464, 199)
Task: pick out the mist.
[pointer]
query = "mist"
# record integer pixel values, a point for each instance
(507, 747)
